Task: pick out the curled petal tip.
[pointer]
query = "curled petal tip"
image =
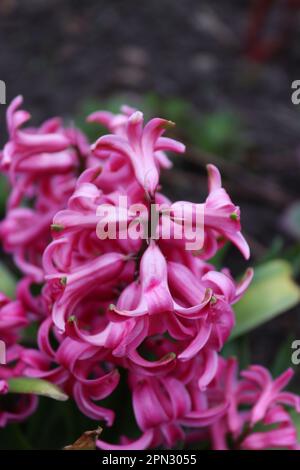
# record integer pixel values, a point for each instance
(170, 124)
(214, 177)
(17, 101)
(136, 117)
(169, 357)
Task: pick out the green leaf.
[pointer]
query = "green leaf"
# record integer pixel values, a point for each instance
(36, 387)
(272, 292)
(274, 250)
(282, 357)
(296, 420)
(218, 258)
(7, 281)
(291, 220)
(292, 255)
(220, 133)
(4, 190)
(239, 347)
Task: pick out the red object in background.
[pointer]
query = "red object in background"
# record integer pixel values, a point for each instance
(259, 47)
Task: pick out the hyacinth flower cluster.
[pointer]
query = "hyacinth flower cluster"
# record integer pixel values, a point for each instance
(146, 307)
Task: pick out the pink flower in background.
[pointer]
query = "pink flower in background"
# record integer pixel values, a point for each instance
(12, 318)
(164, 408)
(257, 417)
(20, 407)
(41, 165)
(71, 366)
(3, 387)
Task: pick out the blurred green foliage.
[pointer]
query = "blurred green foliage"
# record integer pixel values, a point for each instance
(7, 281)
(4, 189)
(216, 133)
(291, 220)
(271, 292)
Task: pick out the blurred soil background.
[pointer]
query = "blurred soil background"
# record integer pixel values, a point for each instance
(221, 69)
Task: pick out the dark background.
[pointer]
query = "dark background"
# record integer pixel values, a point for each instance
(191, 54)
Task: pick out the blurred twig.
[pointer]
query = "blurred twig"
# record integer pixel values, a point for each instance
(251, 186)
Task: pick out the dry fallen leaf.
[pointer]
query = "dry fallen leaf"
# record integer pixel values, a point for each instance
(86, 442)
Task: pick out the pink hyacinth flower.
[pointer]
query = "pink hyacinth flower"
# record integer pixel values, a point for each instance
(139, 147)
